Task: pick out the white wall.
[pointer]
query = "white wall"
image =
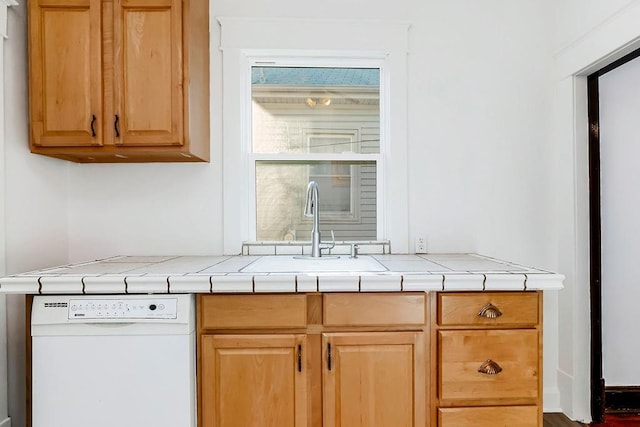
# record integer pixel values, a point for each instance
(4, 385)
(619, 93)
(586, 36)
(477, 75)
(35, 204)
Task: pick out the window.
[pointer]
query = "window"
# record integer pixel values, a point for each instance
(315, 124)
(317, 148)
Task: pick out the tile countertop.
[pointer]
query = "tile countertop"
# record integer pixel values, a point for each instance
(218, 274)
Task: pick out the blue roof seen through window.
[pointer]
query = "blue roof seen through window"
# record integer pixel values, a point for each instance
(309, 76)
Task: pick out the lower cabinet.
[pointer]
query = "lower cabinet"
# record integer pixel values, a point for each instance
(254, 380)
(488, 359)
(370, 360)
(312, 360)
(374, 379)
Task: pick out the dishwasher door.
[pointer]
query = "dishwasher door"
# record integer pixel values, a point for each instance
(105, 361)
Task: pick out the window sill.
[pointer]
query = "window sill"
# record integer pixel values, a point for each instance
(301, 247)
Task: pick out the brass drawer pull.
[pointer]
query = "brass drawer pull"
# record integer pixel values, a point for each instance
(489, 311)
(490, 368)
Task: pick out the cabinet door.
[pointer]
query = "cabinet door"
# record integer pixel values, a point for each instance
(148, 73)
(374, 379)
(65, 74)
(253, 380)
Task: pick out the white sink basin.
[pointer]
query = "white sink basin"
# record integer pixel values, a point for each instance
(302, 264)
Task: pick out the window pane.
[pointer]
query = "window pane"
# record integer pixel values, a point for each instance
(315, 110)
(347, 193)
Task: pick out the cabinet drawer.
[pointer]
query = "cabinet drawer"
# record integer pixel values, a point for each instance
(374, 309)
(253, 311)
(521, 416)
(514, 354)
(488, 308)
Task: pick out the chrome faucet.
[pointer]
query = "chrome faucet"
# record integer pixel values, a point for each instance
(312, 208)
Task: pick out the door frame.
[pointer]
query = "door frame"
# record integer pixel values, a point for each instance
(603, 399)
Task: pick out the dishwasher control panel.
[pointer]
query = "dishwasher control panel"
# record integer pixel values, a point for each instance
(116, 308)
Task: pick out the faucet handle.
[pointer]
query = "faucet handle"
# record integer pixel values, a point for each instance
(354, 250)
(329, 245)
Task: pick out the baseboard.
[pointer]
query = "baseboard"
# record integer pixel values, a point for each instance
(622, 400)
(5, 423)
(551, 399)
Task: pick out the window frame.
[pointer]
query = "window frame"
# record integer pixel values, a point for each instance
(247, 41)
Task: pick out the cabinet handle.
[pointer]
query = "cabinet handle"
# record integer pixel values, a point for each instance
(93, 121)
(329, 356)
(489, 311)
(299, 358)
(490, 368)
(115, 126)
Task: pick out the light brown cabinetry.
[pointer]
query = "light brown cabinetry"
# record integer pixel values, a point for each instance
(312, 360)
(374, 379)
(254, 380)
(371, 359)
(119, 80)
(487, 348)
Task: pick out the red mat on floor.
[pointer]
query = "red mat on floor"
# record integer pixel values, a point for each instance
(619, 421)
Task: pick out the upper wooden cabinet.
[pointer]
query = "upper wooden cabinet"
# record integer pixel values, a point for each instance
(119, 80)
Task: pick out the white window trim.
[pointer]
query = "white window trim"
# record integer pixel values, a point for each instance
(244, 40)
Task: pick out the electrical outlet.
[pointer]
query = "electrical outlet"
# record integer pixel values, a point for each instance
(421, 245)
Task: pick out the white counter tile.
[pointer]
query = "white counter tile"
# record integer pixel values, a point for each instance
(289, 250)
(371, 249)
(232, 283)
(380, 283)
(307, 283)
(231, 265)
(180, 265)
(20, 285)
(107, 284)
(187, 274)
(147, 284)
(419, 265)
(422, 282)
(191, 283)
(471, 263)
(99, 268)
(61, 285)
(274, 283)
(543, 281)
(343, 283)
(262, 250)
(463, 282)
(151, 259)
(504, 282)
(401, 257)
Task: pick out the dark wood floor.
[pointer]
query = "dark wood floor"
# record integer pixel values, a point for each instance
(559, 420)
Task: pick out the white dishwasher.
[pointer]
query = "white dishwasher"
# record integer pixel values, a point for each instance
(120, 360)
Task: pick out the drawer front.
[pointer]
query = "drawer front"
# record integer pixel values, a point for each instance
(497, 416)
(488, 309)
(508, 359)
(253, 311)
(379, 309)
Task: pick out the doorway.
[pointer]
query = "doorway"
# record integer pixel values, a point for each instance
(614, 156)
